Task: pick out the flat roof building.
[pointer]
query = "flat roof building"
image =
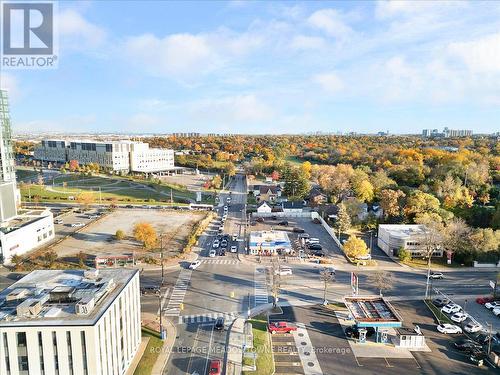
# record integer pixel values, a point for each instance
(70, 322)
(393, 237)
(269, 242)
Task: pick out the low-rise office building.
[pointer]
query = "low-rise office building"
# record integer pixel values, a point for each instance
(269, 242)
(70, 322)
(116, 156)
(411, 237)
(25, 232)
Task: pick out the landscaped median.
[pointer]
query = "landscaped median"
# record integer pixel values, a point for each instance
(438, 314)
(153, 350)
(262, 347)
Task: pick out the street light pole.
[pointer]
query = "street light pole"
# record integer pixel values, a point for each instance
(160, 313)
(161, 256)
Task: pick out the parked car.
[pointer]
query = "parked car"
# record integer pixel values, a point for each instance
(496, 311)
(283, 271)
(224, 243)
(478, 357)
(473, 327)
(92, 217)
(259, 220)
(304, 235)
(440, 301)
(58, 221)
(216, 244)
(235, 237)
(215, 367)
(436, 275)
(315, 246)
(353, 331)
(318, 253)
(448, 328)
(483, 338)
(364, 257)
(281, 327)
(459, 317)
(77, 225)
(467, 345)
(150, 290)
(234, 249)
(219, 324)
(284, 223)
(298, 230)
(492, 305)
(194, 265)
(212, 253)
(483, 300)
(451, 308)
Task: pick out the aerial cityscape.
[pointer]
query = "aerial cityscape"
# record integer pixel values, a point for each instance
(249, 187)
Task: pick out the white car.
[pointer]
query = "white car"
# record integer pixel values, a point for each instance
(364, 257)
(451, 308)
(492, 305)
(436, 275)
(235, 237)
(58, 221)
(225, 208)
(473, 327)
(216, 244)
(212, 254)
(77, 225)
(194, 265)
(283, 271)
(459, 317)
(233, 249)
(496, 311)
(449, 328)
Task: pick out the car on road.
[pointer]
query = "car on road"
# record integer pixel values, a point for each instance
(298, 230)
(467, 345)
(448, 328)
(216, 244)
(234, 249)
(212, 253)
(92, 217)
(228, 199)
(77, 225)
(145, 290)
(194, 265)
(318, 253)
(304, 235)
(353, 331)
(215, 367)
(492, 305)
(484, 300)
(259, 220)
(473, 327)
(312, 240)
(478, 357)
(219, 324)
(281, 327)
(451, 308)
(58, 221)
(459, 317)
(283, 271)
(283, 223)
(364, 257)
(440, 301)
(436, 276)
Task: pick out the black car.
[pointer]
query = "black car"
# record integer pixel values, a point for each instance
(284, 223)
(477, 357)
(467, 345)
(483, 339)
(150, 290)
(353, 331)
(299, 230)
(318, 253)
(224, 243)
(314, 246)
(222, 252)
(219, 324)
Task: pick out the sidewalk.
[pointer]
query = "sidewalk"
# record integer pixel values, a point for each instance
(162, 360)
(235, 347)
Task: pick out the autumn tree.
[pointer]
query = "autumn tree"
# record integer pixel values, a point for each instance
(390, 201)
(50, 258)
(419, 202)
(73, 165)
(82, 258)
(355, 247)
(145, 233)
(216, 182)
(85, 198)
(382, 280)
(456, 236)
(364, 191)
(306, 169)
(120, 234)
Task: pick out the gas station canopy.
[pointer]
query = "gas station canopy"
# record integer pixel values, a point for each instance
(372, 311)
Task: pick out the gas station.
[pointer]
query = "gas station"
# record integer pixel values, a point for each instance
(373, 312)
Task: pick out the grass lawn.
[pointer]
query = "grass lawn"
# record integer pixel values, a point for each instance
(440, 316)
(262, 345)
(151, 353)
(437, 263)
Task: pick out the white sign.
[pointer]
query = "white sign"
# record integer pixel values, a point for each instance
(492, 285)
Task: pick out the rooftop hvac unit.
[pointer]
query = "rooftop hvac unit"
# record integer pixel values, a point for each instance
(30, 307)
(91, 274)
(85, 306)
(16, 294)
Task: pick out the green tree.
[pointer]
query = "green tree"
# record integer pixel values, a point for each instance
(404, 255)
(296, 184)
(421, 203)
(120, 235)
(343, 221)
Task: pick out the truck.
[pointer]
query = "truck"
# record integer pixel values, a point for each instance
(281, 327)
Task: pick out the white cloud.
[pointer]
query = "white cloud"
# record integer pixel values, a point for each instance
(330, 82)
(302, 42)
(331, 22)
(480, 55)
(78, 33)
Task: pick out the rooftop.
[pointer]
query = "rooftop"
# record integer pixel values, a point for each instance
(61, 297)
(269, 238)
(23, 218)
(403, 230)
(372, 310)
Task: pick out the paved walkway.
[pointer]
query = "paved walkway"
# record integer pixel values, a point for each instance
(235, 347)
(162, 360)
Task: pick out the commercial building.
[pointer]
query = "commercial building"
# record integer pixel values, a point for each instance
(19, 231)
(447, 133)
(269, 243)
(411, 237)
(70, 322)
(116, 156)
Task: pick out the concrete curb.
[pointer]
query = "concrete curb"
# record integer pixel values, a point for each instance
(162, 359)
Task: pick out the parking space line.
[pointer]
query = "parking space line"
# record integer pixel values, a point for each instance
(418, 364)
(388, 364)
(359, 364)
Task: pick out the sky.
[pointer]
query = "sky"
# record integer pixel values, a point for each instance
(266, 67)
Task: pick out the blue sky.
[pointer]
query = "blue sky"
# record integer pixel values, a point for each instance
(266, 67)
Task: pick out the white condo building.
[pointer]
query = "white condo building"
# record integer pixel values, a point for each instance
(70, 322)
(116, 156)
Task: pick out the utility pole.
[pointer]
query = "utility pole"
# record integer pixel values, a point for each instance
(171, 196)
(161, 257)
(160, 312)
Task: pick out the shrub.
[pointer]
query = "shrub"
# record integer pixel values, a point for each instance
(120, 235)
(404, 255)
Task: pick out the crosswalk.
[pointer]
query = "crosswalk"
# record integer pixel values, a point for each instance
(220, 261)
(260, 286)
(207, 318)
(178, 293)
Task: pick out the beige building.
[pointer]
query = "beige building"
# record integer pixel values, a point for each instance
(393, 237)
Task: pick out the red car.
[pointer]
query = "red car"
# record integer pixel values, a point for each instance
(281, 327)
(483, 300)
(215, 367)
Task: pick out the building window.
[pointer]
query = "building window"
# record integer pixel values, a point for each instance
(70, 352)
(22, 353)
(56, 357)
(40, 348)
(6, 351)
(84, 352)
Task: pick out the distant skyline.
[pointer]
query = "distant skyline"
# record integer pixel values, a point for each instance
(266, 67)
